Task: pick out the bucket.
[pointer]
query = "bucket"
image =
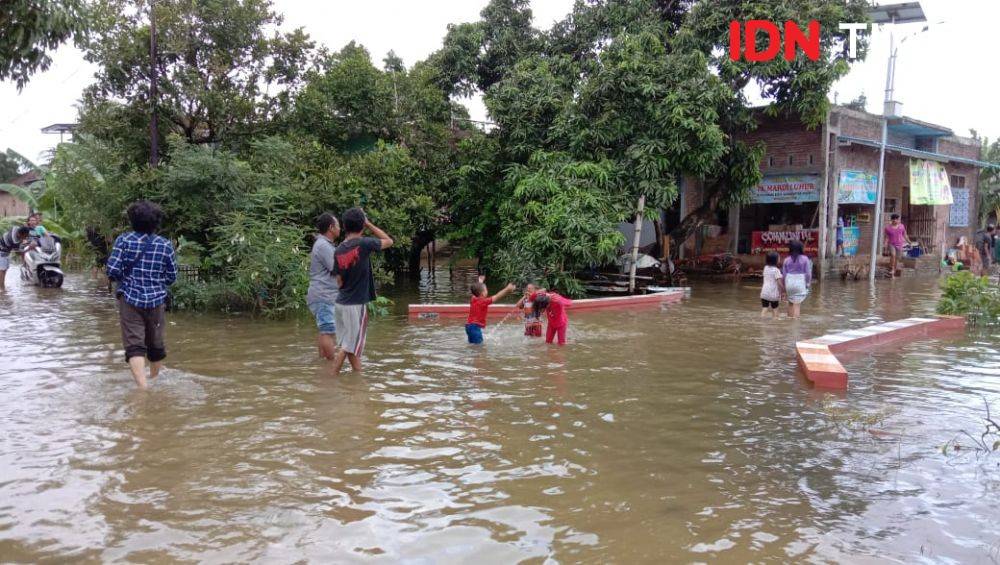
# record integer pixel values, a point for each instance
(914, 252)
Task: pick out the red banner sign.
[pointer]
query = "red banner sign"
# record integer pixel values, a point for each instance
(767, 241)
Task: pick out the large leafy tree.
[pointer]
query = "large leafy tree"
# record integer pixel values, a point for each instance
(31, 29)
(644, 86)
(224, 73)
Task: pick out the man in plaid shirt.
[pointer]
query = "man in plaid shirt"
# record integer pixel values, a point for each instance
(143, 264)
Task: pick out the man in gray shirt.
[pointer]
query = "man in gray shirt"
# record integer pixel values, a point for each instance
(323, 287)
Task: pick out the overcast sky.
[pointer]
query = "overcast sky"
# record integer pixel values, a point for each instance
(943, 75)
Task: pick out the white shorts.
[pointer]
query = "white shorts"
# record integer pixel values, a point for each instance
(352, 326)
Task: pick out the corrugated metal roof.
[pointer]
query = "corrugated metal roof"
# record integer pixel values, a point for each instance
(916, 153)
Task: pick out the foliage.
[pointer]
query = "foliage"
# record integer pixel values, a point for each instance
(197, 186)
(860, 103)
(965, 294)
(559, 220)
(380, 307)
(989, 181)
(223, 73)
(9, 167)
(31, 28)
(643, 90)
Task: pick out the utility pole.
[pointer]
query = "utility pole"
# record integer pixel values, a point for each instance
(892, 14)
(154, 130)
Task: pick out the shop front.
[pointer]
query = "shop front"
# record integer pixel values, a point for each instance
(783, 208)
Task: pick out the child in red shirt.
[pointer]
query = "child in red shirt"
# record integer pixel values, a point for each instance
(554, 305)
(479, 304)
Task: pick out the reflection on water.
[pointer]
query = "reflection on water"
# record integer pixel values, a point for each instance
(677, 434)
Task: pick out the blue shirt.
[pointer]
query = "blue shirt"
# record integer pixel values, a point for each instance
(146, 285)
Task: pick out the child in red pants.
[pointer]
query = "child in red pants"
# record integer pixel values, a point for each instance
(554, 305)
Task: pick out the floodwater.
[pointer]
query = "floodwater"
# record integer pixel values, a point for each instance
(662, 435)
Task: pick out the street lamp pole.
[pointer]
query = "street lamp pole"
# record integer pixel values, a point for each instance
(902, 13)
(890, 80)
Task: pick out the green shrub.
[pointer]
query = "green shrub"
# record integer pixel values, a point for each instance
(967, 295)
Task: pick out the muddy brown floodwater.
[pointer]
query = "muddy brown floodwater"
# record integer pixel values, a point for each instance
(659, 435)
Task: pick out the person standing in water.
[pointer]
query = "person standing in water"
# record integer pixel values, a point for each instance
(479, 305)
(840, 236)
(357, 286)
(532, 321)
(770, 292)
(554, 305)
(983, 241)
(797, 273)
(323, 288)
(895, 239)
(144, 265)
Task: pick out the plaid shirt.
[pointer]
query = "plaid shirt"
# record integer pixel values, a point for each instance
(146, 286)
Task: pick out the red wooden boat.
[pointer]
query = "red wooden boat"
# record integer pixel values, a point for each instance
(583, 304)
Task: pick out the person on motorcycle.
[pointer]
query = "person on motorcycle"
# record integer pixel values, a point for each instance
(11, 242)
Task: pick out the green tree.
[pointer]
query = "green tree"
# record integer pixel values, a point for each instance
(9, 167)
(223, 73)
(643, 86)
(32, 28)
(558, 220)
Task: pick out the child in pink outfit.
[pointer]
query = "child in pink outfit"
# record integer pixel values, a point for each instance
(554, 305)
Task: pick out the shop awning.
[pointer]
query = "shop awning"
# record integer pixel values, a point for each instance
(916, 153)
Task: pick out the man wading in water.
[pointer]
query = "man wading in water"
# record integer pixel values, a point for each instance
(357, 286)
(143, 265)
(322, 295)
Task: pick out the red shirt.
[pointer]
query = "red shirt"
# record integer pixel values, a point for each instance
(556, 312)
(477, 310)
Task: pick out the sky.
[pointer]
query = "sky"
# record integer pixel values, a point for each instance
(942, 74)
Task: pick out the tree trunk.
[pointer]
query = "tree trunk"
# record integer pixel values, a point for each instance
(635, 244)
(420, 240)
(694, 220)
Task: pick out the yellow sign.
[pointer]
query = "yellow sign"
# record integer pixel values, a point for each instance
(929, 183)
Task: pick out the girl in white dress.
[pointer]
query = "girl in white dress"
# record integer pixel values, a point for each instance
(770, 293)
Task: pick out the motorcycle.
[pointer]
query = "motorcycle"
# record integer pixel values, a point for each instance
(41, 264)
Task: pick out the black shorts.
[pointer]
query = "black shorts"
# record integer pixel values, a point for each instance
(769, 303)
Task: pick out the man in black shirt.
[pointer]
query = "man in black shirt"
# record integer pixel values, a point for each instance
(357, 285)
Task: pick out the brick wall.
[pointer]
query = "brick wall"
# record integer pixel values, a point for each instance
(858, 124)
(791, 147)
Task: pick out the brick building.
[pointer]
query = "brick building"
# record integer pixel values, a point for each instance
(813, 177)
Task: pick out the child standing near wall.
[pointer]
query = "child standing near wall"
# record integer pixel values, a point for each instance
(479, 306)
(771, 291)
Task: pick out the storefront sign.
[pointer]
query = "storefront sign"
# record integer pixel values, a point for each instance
(786, 188)
(857, 187)
(929, 183)
(852, 236)
(767, 241)
(959, 216)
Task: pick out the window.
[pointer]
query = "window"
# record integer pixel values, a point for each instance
(810, 159)
(770, 161)
(957, 181)
(791, 160)
(891, 205)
